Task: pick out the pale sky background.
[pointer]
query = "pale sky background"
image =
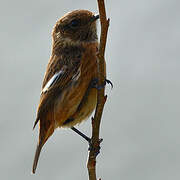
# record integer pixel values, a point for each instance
(141, 120)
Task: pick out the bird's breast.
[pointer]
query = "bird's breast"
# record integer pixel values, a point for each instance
(78, 99)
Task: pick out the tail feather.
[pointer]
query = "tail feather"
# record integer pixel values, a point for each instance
(45, 131)
(37, 120)
(36, 157)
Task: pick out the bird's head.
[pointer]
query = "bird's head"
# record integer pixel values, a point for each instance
(75, 27)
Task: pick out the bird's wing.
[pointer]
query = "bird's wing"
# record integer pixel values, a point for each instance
(55, 82)
(52, 81)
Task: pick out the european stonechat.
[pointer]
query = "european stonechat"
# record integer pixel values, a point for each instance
(67, 96)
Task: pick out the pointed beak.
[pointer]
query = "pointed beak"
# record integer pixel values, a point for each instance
(94, 18)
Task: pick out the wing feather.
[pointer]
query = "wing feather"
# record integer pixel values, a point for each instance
(56, 79)
(52, 81)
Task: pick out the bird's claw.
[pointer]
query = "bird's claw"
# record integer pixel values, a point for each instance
(95, 84)
(109, 82)
(95, 149)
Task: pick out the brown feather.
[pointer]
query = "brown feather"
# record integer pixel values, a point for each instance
(46, 130)
(71, 96)
(36, 157)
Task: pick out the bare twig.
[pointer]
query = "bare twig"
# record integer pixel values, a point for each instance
(101, 99)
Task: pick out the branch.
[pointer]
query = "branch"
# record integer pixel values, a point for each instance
(101, 98)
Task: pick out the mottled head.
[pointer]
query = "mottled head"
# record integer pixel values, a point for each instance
(76, 27)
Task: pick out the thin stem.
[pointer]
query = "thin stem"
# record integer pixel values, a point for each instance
(101, 99)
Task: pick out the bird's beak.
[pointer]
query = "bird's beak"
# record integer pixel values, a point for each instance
(94, 18)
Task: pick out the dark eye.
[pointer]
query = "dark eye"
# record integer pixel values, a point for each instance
(74, 23)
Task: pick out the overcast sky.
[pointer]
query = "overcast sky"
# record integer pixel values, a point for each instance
(141, 120)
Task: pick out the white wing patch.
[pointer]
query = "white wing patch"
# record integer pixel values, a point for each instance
(52, 81)
(77, 75)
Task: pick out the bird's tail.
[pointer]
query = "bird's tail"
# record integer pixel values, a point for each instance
(46, 130)
(36, 157)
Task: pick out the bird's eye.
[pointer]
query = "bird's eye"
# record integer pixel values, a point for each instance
(74, 23)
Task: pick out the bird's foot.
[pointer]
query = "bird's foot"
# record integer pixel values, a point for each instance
(92, 147)
(96, 148)
(94, 84)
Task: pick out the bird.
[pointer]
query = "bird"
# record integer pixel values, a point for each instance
(68, 94)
